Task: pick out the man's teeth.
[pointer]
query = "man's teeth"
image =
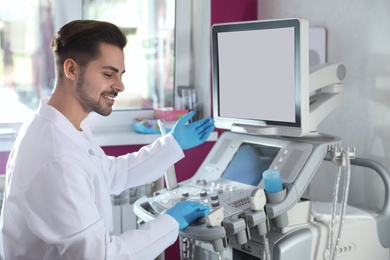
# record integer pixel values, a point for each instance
(109, 97)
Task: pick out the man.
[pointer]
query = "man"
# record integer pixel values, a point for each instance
(57, 201)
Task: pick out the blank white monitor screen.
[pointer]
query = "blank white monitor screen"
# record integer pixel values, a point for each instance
(256, 74)
(260, 73)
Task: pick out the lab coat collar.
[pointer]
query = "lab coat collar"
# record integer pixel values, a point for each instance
(66, 127)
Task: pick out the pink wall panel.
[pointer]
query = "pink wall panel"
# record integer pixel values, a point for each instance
(3, 161)
(225, 11)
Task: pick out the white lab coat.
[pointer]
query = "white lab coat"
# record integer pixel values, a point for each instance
(57, 198)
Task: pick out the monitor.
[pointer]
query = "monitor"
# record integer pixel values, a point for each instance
(260, 77)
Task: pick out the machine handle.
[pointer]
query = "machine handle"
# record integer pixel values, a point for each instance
(383, 217)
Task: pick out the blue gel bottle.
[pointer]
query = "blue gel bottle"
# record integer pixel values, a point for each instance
(272, 181)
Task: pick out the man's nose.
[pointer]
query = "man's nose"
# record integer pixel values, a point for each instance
(119, 86)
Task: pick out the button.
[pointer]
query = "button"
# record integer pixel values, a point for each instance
(214, 197)
(215, 203)
(91, 152)
(208, 168)
(203, 193)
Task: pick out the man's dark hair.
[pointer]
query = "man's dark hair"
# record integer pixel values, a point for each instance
(80, 40)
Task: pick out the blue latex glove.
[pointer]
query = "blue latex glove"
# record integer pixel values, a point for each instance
(193, 134)
(186, 212)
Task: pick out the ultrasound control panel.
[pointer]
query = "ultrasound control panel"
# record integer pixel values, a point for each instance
(233, 169)
(234, 198)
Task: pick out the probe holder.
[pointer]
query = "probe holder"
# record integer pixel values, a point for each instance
(200, 231)
(256, 220)
(235, 225)
(274, 198)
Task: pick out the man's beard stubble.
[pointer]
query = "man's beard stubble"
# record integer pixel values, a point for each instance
(87, 102)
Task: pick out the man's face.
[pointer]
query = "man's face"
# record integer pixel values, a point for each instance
(100, 81)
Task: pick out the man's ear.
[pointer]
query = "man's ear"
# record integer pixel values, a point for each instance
(71, 69)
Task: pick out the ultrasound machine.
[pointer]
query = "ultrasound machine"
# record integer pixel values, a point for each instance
(270, 103)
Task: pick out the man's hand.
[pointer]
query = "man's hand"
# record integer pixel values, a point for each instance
(193, 134)
(186, 212)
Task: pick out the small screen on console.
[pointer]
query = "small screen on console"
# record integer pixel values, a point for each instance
(249, 162)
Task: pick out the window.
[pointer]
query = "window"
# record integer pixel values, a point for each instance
(26, 63)
(149, 26)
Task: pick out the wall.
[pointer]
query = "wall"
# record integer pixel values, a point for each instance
(358, 34)
(225, 11)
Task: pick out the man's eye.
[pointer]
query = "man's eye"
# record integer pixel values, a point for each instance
(108, 75)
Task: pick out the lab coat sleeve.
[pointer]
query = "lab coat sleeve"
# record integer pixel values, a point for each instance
(59, 208)
(152, 238)
(144, 166)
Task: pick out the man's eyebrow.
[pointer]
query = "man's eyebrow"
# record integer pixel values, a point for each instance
(113, 69)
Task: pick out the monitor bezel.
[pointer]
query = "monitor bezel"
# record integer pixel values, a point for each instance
(301, 72)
